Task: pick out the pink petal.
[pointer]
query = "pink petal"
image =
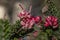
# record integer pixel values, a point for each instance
(53, 18)
(46, 24)
(50, 23)
(55, 26)
(22, 23)
(55, 23)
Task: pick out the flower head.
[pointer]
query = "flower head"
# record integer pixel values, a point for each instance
(51, 21)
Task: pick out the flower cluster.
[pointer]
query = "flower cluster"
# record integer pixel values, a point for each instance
(51, 21)
(27, 21)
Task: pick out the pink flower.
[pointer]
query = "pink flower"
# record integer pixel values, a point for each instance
(27, 21)
(51, 21)
(37, 19)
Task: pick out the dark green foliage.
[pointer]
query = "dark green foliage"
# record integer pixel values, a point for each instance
(52, 10)
(10, 32)
(5, 29)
